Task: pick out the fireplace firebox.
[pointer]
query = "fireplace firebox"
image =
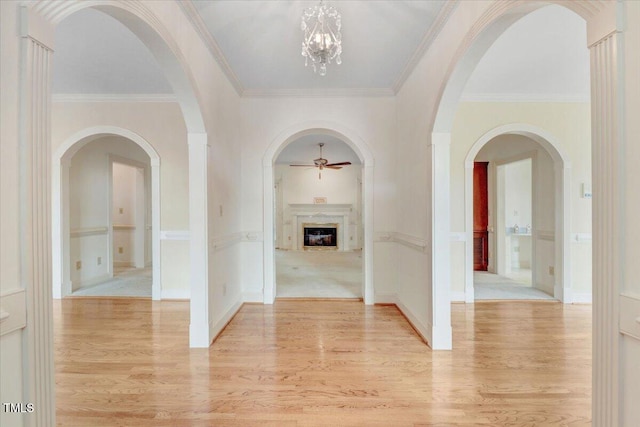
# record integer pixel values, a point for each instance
(323, 236)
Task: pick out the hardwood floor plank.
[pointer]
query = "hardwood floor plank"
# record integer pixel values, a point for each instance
(126, 362)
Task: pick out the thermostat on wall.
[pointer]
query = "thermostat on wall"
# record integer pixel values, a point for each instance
(586, 191)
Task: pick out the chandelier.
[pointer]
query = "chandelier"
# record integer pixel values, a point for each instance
(322, 39)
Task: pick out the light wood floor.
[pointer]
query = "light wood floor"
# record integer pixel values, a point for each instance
(126, 362)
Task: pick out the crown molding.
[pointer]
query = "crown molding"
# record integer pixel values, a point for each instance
(114, 97)
(210, 42)
(318, 93)
(434, 31)
(525, 97)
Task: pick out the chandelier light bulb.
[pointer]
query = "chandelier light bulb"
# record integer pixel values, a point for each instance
(322, 41)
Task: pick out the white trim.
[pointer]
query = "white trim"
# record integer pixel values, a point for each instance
(526, 97)
(319, 93)
(386, 298)
(113, 97)
(581, 237)
(458, 236)
(123, 264)
(13, 306)
(458, 296)
(409, 241)
(360, 147)
(216, 328)
(192, 14)
(253, 297)
(221, 242)
(124, 227)
(89, 231)
(434, 30)
(252, 236)
(581, 298)
(199, 257)
(91, 281)
(423, 330)
(181, 294)
(174, 235)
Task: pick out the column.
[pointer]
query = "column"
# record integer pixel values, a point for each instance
(35, 204)
(441, 337)
(607, 149)
(199, 335)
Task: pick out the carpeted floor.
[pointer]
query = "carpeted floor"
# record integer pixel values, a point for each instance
(489, 286)
(127, 282)
(319, 274)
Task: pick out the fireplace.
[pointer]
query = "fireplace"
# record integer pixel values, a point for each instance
(320, 236)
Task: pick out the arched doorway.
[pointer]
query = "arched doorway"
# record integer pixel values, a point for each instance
(318, 222)
(561, 243)
(60, 204)
(275, 148)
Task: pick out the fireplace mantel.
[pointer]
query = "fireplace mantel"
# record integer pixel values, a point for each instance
(321, 214)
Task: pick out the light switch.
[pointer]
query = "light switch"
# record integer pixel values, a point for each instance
(586, 190)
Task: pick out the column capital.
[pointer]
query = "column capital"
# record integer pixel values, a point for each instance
(36, 27)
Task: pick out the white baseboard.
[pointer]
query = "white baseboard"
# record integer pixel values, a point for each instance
(457, 296)
(175, 294)
(423, 330)
(385, 299)
(123, 264)
(90, 282)
(581, 298)
(217, 327)
(252, 297)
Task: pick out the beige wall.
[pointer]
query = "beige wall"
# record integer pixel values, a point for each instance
(162, 126)
(570, 124)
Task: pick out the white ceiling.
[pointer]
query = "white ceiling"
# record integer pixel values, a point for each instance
(94, 53)
(260, 40)
(543, 54)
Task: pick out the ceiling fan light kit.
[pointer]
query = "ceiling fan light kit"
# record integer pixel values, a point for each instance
(322, 163)
(322, 41)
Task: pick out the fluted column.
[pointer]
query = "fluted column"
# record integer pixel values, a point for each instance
(607, 219)
(35, 206)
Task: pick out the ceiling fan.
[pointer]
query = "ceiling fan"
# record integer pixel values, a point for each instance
(322, 163)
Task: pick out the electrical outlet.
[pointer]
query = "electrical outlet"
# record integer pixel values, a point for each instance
(351, 238)
(552, 270)
(121, 210)
(78, 265)
(289, 237)
(120, 250)
(99, 260)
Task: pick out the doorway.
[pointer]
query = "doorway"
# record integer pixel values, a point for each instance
(95, 165)
(317, 219)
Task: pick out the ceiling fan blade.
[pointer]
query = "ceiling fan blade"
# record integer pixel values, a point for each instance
(305, 166)
(333, 167)
(339, 164)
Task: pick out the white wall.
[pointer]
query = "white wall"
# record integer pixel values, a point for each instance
(301, 185)
(89, 185)
(372, 119)
(517, 194)
(570, 124)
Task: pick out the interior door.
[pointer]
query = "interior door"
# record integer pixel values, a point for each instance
(480, 217)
